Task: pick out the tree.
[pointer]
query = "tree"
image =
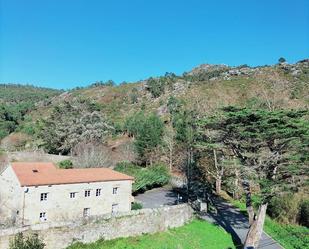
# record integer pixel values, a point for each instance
(169, 142)
(149, 136)
(133, 124)
(91, 155)
(73, 122)
(185, 126)
(270, 144)
(213, 169)
(281, 60)
(110, 83)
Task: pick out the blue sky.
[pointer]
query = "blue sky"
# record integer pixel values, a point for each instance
(68, 43)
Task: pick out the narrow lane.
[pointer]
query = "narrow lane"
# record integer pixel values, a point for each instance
(234, 222)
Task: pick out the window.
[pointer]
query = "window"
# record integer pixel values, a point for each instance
(43, 196)
(87, 193)
(115, 190)
(86, 212)
(114, 208)
(72, 195)
(98, 192)
(43, 216)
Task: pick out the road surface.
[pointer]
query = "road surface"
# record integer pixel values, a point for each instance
(234, 222)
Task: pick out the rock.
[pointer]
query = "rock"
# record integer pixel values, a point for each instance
(162, 110)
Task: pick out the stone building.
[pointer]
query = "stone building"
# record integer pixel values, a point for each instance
(35, 192)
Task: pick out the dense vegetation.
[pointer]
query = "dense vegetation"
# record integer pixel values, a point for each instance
(145, 178)
(197, 234)
(148, 133)
(16, 101)
(271, 152)
(71, 123)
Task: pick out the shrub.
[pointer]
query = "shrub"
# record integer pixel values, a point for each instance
(145, 178)
(155, 87)
(30, 242)
(281, 60)
(304, 213)
(65, 164)
(284, 208)
(134, 96)
(136, 206)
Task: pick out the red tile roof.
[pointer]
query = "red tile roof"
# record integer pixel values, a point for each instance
(44, 173)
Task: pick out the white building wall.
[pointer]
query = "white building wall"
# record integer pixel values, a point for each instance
(59, 206)
(11, 196)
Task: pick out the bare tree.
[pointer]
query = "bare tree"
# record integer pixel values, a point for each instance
(127, 152)
(91, 155)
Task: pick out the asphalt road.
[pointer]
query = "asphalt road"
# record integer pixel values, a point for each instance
(157, 198)
(234, 222)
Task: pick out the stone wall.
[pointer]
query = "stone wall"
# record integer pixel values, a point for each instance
(60, 235)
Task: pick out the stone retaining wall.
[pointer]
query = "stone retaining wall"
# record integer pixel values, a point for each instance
(61, 235)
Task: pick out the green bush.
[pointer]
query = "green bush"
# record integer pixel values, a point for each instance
(304, 213)
(65, 164)
(145, 178)
(30, 242)
(284, 208)
(136, 206)
(156, 87)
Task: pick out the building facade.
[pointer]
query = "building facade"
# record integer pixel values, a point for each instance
(37, 192)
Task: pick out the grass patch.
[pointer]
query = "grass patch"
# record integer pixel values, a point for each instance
(195, 235)
(289, 236)
(145, 178)
(136, 206)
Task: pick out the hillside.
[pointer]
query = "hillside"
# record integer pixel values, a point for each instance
(16, 101)
(204, 89)
(250, 121)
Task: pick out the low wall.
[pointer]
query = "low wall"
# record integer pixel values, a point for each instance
(61, 235)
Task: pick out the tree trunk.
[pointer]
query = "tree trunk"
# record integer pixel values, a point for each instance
(251, 214)
(218, 186)
(219, 174)
(236, 183)
(249, 206)
(188, 173)
(256, 229)
(171, 160)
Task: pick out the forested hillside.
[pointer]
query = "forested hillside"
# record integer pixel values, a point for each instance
(240, 129)
(17, 100)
